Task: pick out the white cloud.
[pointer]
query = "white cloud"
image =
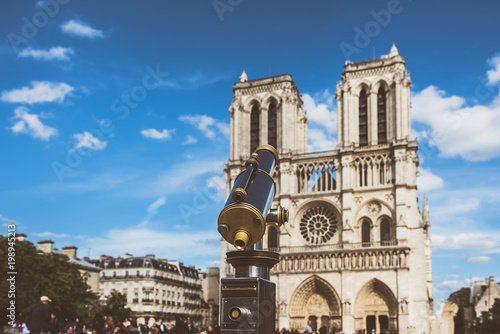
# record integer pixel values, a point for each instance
(322, 118)
(153, 209)
(87, 140)
(190, 140)
(218, 184)
(445, 288)
(426, 181)
(320, 110)
(471, 240)
(455, 276)
(155, 134)
(479, 259)
(207, 125)
(319, 140)
(51, 235)
(81, 29)
(187, 245)
(40, 92)
(457, 129)
(494, 74)
(32, 125)
(54, 53)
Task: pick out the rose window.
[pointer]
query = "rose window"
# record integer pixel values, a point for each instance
(318, 225)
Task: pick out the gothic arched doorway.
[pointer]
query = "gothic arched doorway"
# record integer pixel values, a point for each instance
(316, 300)
(376, 308)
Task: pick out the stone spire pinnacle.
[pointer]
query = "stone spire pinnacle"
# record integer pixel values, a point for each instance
(425, 214)
(394, 51)
(243, 77)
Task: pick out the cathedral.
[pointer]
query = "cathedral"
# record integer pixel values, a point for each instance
(356, 252)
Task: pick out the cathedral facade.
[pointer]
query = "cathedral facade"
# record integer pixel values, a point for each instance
(355, 254)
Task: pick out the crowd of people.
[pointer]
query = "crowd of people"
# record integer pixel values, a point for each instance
(40, 321)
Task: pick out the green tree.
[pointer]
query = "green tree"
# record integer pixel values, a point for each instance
(40, 274)
(461, 298)
(489, 322)
(115, 306)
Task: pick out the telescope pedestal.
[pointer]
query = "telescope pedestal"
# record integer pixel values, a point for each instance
(248, 301)
(253, 263)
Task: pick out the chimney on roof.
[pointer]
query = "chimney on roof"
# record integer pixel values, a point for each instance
(21, 237)
(70, 251)
(127, 256)
(103, 257)
(150, 256)
(46, 246)
(86, 258)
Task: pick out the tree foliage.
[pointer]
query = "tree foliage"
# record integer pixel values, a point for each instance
(489, 322)
(40, 274)
(115, 306)
(461, 298)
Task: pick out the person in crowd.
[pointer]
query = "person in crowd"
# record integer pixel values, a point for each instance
(120, 329)
(21, 323)
(54, 327)
(126, 323)
(162, 329)
(144, 329)
(189, 327)
(210, 330)
(109, 325)
(39, 316)
(309, 327)
(78, 327)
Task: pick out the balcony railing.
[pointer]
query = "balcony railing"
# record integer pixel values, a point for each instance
(340, 246)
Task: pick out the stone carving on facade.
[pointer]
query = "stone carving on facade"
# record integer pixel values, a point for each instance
(282, 308)
(388, 197)
(374, 208)
(346, 307)
(403, 306)
(358, 200)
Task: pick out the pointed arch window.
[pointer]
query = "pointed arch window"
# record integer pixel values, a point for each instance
(385, 232)
(381, 116)
(365, 233)
(363, 118)
(254, 128)
(272, 125)
(272, 238)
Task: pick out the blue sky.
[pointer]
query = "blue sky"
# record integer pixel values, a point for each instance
(114, 122)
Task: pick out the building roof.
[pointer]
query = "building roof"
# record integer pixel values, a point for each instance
(145, 262)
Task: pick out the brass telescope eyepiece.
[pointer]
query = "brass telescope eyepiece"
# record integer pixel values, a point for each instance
(242, 221)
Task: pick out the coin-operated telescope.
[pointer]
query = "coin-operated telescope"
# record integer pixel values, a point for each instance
(248, 301)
